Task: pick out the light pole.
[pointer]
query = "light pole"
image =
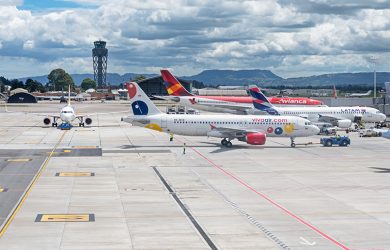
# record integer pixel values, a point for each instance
(374, 61)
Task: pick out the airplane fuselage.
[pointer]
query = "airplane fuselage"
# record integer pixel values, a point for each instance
(67, 114)
(204, 125)
(367, 114)
(221, 104)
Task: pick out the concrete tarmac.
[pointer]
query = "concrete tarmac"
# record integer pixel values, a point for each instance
(144, 193)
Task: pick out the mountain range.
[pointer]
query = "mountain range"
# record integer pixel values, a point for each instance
(264, 78)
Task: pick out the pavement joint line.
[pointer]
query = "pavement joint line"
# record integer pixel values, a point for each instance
(274, 203)
(252, 220)
(29, 188)
(200, 230)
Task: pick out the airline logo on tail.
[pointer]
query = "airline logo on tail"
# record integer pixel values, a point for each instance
(172, 85)
(139, 107)
(261, 102)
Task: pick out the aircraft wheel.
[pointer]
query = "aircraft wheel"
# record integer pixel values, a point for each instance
(293, 145)
(223, 142)
(228, 144)
(79, 124)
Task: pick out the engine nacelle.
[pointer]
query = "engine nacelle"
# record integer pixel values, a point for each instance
(256, 138)
(46, 121)
(88, 120)
(346, 123)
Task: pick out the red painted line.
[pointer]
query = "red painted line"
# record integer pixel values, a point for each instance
(326, 236)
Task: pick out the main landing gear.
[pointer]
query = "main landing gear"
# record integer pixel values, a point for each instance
(226, 143)
(81, 123)
(292, 142)
(54, 124)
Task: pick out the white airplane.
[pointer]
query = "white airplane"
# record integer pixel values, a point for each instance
(339, 116)
(250, 129)
(241, 105)
(360, 94)
(67, 116)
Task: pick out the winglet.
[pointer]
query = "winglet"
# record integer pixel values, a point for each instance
(172, 85)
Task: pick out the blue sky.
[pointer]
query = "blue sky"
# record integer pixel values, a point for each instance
(291, 38)
(40, 5)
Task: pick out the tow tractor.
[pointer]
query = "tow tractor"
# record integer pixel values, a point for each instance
(65, 126)
(342, 141)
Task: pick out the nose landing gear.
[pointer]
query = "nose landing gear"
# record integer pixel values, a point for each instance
(292, 142)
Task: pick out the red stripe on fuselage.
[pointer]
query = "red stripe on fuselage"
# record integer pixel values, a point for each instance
(273, 100)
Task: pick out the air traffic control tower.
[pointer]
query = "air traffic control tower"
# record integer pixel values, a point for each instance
(99, 55)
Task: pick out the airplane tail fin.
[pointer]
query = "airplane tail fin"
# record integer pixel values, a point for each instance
(140, 102)
(69, 95)
(172, 85)
(261, 102)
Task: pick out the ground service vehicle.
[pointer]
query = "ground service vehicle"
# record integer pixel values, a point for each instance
(342, 141)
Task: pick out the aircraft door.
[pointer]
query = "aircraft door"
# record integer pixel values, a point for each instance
(164, 122)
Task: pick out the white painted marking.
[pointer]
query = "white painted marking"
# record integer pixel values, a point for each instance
(304, 241)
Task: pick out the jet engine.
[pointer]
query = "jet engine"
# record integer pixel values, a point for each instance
(344, 123)
(256, 138)
(88, 121)
(46, 121)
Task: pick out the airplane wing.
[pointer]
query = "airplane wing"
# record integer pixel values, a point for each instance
(232, 132)
(168, 98)
(335, 121)
(31, 113)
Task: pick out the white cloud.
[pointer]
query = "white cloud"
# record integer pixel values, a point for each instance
(11, 2)
(29, 44)
(288, 37)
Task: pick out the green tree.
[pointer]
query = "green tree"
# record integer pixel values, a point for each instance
(140, 78)
(60, 80)
(15, 83)
(4, 81)
(88, 83)
(33, 86)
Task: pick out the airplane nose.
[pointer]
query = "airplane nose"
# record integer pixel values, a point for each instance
(383, 117)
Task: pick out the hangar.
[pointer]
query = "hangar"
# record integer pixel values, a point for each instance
(155, 86)
(22, 97)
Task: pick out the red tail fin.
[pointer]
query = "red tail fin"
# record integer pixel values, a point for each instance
(172, 85)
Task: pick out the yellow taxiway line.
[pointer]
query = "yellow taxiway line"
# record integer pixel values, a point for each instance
(28, 190)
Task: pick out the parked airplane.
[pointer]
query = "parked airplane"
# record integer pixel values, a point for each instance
(250, 129)
(368, 93)
(225, 104)
(339, 116)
